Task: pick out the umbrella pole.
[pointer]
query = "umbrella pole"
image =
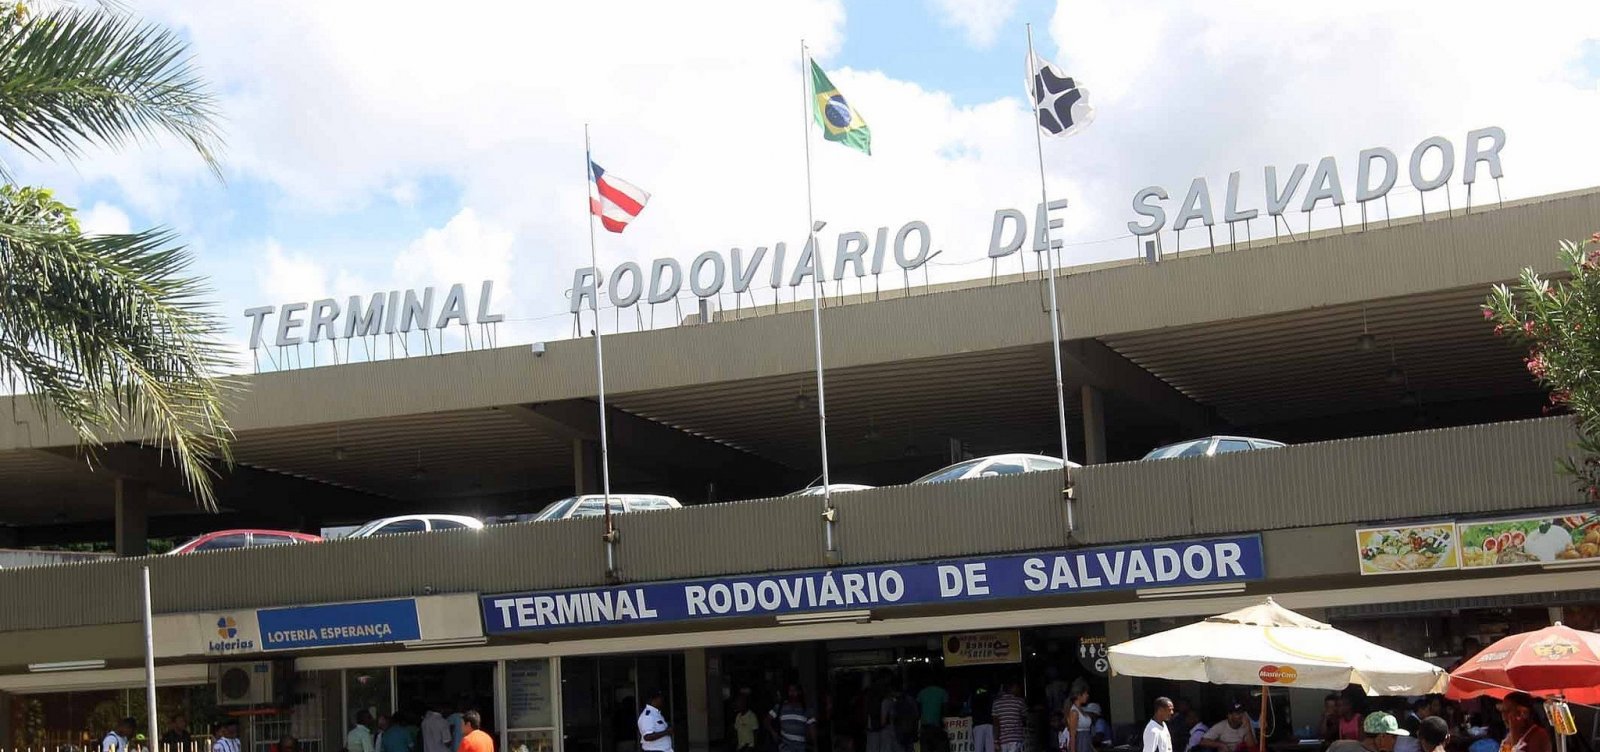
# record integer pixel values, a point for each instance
(1263, 734)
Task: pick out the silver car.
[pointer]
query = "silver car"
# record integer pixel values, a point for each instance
(592, 505)
(1210, 446)
(999, 464)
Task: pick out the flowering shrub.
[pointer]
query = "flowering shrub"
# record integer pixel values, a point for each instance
(1558, 321)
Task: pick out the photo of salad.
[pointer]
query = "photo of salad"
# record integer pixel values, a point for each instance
(1407, 549)
(1532, 540)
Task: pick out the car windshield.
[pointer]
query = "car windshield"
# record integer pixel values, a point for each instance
(366, 530)
(557, 510)
(953, 472)
(1184, 449)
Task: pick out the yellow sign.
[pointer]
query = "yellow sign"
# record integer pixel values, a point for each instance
(978, 648)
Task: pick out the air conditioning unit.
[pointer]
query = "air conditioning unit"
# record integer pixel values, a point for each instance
(246, 683)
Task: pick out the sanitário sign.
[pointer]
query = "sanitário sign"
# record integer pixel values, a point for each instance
(1149, 565)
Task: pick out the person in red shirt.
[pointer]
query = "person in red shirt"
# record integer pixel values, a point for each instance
(474, 739)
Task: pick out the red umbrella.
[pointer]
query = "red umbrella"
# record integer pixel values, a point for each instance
(1555, 660)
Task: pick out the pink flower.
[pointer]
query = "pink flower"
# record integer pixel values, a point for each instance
(1527, 327)
(1499, 328)
(1487, 314)
(1536, 366)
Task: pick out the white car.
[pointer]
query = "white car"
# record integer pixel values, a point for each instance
(592, 505)
(999, 464)
(832, 488)
(1210, 446)
(416, 523)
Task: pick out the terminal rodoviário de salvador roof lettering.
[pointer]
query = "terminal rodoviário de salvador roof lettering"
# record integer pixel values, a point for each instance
(395, 311)
(1483, 147)
(1150, 565)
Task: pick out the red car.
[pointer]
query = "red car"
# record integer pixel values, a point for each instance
(225, 539)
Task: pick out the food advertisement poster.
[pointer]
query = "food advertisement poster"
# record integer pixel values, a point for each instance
(1529, 540)
(1412, 548)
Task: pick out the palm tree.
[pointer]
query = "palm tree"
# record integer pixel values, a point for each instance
(108, 332)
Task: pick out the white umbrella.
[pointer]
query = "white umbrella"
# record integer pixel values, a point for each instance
(1270, 645)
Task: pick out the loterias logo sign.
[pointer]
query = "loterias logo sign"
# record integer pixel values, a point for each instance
(232, 633)
(1236, 559)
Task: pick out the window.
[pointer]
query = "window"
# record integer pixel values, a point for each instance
(1035, 464)
(1003, 467)
(402, 526)
(640, 505)
(557, 510)
(1194, 448)
(952, 472)
(268, 539)
(447, 525)
(1233, 445)
(597, 507)
(234, 540)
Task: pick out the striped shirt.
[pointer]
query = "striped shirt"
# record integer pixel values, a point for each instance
(793, 723)
(1009, 715)
(226, 744)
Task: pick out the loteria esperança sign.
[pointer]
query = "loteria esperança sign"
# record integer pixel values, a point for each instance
(1325, 186)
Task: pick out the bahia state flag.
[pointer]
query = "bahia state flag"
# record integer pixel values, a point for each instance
(614, 200)
(840, 122)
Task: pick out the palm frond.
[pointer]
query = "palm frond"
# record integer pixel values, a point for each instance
(75, 76)
(113, 333)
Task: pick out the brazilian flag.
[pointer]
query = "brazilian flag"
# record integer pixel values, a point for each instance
(840, 122)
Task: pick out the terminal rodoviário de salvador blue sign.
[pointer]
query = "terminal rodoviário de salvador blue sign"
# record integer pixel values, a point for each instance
(1150, 565)
(368, 623)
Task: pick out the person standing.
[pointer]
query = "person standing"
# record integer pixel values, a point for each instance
(392, 735)
(1197, 730)
(1010, 718)
(930, 709)
(177, 735)
(791, 722)
(1378, 734)
(1157, 738)
(116, 740)
(456, 727)
(1433, 734)
(1075, 733)
(228, 737)
(360, 738)
(435, 731)
(474, 739)
(1523, 732)
(655, 734)
(745, 724)
(982, 706)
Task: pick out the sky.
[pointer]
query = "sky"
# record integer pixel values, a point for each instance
(377, 146)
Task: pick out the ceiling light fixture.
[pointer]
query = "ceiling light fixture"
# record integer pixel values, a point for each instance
(1224, 588)
(1394, 375)
(872, 430)
(338, 443)
(827, 617)
(802, 402)
(1365, 342)
(40, 668)
(420, 472)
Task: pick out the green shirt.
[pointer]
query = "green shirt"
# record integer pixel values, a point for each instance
(932, 698)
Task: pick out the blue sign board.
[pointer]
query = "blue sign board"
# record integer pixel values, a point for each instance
(368, 623)
(1147, 565)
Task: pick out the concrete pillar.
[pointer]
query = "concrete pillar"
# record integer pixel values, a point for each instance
(694, 685)
(1124, 706)
(1094, 426)
(133, 518)
(586, 467)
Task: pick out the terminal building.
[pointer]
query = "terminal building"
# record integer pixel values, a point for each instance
(1364, 350)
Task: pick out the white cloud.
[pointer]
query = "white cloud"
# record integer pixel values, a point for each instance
(105, 219)
(980, 20)
(333, 106)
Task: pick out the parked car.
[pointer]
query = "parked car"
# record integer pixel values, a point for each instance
(225, 539)
(592, 505)
(1210, 446)
(999, 464)
(416, 523)
(832, 487)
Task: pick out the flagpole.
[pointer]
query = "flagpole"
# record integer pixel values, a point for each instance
(1055, 314)
(610, 536)
(828, 513)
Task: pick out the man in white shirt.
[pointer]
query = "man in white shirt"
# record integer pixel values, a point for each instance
(1156, 736)
(1231, 735)
(655, 734)
(360, 738)
(117, 739)
(435, 732)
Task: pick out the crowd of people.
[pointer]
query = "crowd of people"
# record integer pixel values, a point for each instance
(441, 728)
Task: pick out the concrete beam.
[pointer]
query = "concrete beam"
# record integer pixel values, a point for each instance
(639, 441)
(1099, 366)
(1094, 426)
(133, 518)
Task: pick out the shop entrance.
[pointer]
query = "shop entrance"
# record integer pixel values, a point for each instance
(601, 698)
(461, 686)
